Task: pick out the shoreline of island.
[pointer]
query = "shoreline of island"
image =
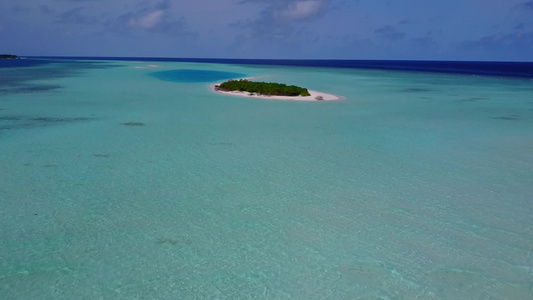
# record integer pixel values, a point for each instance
(314, 95)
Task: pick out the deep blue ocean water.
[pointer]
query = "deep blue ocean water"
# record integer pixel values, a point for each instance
(117, 184)
(518, 69)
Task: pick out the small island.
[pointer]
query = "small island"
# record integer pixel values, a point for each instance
(263, 88)
(8, 56)
(270, 90)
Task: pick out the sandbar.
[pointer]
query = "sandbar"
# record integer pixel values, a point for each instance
(148, 67)
(315, 95)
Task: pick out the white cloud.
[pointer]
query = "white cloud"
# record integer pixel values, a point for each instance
(301, 10)
(147, 21)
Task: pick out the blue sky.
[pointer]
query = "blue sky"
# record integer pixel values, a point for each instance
(321, 29)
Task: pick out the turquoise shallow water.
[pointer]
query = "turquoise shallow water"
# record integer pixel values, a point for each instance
(118, 185)
(193, 75)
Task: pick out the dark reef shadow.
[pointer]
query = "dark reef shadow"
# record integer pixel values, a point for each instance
(473, 99)
(417, 90)
(49, 166)
(28, 88)
(22, 122)
(177, 241)
(21, 80)
(132, 124)
(508, 118)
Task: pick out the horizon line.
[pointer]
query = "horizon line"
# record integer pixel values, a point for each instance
(271, 59)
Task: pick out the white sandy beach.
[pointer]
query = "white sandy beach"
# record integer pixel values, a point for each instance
(148, 67)
(315, 95)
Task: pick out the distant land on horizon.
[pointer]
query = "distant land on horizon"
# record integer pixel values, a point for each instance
(8, 56)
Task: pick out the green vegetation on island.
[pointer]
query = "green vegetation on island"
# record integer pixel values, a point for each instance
(262, 88)
(8, 56)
